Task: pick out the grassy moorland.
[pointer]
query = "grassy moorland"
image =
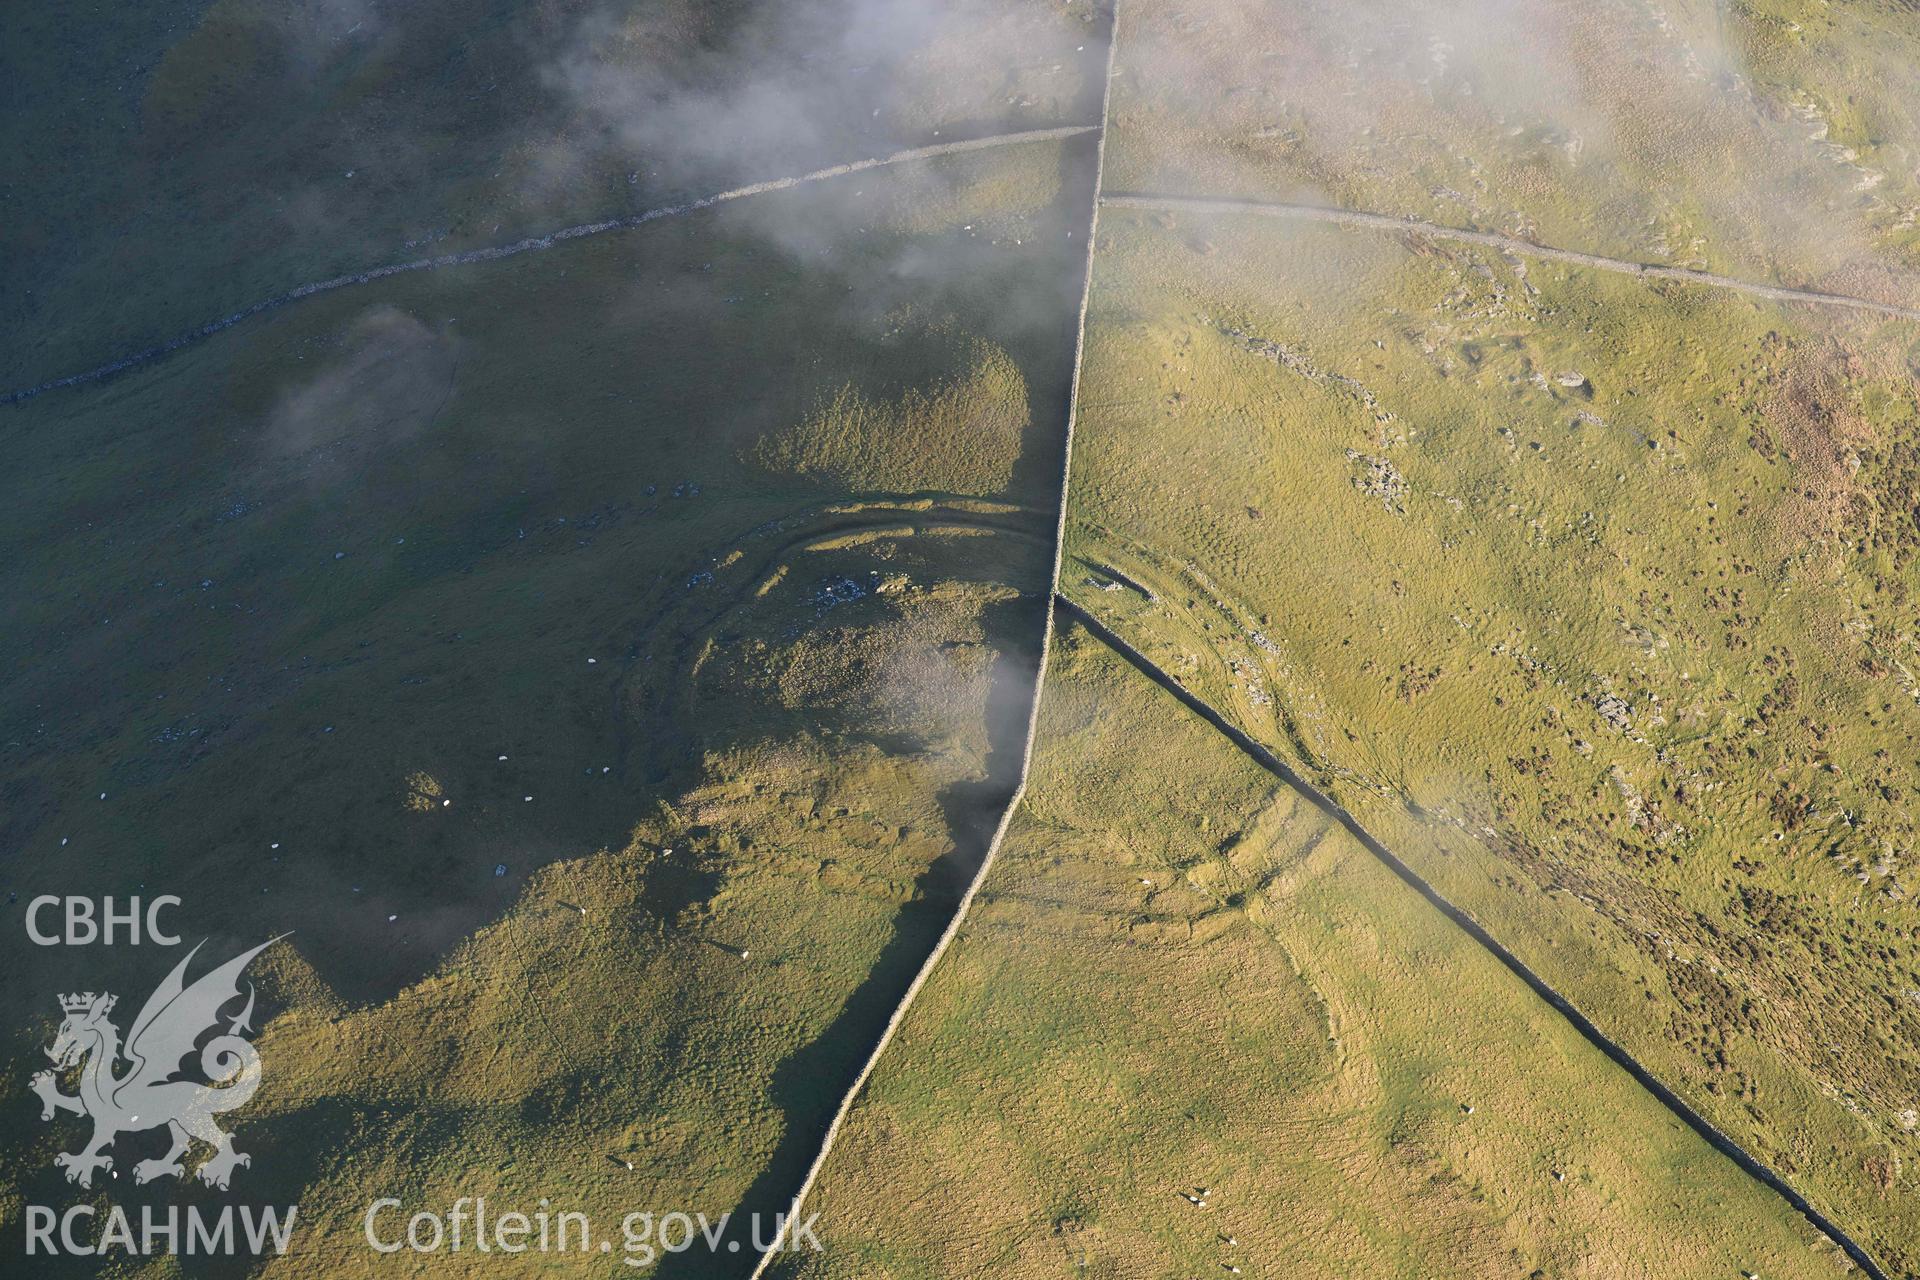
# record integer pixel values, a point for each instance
(1591, 597)
(609, 661)
(602, 660)
(1180, 976)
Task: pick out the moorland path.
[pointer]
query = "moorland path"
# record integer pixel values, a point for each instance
(1361, 218)
(1505, 244)
(531, 244)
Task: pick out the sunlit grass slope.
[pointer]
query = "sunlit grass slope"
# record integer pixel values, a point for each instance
(1182, 983)
(1595, 598)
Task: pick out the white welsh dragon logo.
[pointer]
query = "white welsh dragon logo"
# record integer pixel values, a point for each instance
(148, 1095)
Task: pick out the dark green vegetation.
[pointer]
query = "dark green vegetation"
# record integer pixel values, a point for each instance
(730, 534)
(176, 161)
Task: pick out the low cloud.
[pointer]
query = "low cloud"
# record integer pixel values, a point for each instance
(388, 379)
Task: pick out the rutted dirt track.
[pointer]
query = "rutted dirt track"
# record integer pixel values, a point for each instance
(1504, 244)
(533, 243)
(1468, 925)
